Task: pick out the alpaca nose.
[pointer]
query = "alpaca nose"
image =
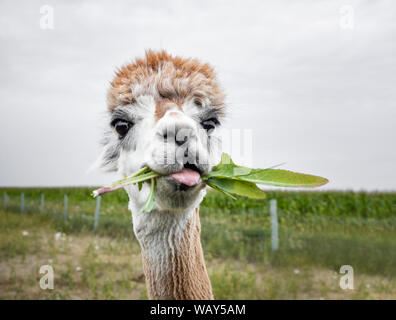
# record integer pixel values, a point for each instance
(179, 137)
(182, 141)
(178, 130)
(179, 140)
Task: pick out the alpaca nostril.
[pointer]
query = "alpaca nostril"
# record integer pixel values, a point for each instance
(180, 142)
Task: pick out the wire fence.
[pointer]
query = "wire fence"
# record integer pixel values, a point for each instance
(322, 228)
(97, 215)
(71, 214)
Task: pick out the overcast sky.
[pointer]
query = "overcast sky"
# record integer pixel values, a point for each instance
(316, 88)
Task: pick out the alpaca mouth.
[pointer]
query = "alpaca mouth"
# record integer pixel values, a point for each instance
(192, 167)
(189, 176)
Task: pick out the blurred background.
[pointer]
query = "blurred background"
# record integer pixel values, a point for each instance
(313, 82)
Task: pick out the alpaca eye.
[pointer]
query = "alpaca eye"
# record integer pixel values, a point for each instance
(198, 102)
(210, 124)
(121, 126)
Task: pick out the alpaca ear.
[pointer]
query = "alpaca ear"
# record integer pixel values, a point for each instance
(106, 162)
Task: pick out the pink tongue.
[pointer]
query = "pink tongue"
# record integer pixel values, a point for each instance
(187, 176)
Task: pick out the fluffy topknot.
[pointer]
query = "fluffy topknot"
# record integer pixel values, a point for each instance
(166, 77)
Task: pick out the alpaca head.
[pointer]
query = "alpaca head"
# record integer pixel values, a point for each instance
(164, 113)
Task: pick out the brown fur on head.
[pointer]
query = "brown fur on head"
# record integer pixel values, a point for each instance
(175, 79)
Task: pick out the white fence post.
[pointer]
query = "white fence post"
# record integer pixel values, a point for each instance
(97, 213)
(274, 225)
(42, 202)
(22, 202)
(65, 208)
(5, 200)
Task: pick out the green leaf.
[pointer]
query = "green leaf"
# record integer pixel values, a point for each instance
(131, 177)
(138, 178)
(148, 206)
(237, 187)
(283, 178)
(274, 177)
(214, 186)
(227, 168)
(135, 179)
(226, 159)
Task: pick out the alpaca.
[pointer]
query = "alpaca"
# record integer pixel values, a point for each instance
(165, 113)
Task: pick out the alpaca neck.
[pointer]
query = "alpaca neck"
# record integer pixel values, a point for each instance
(172, 255)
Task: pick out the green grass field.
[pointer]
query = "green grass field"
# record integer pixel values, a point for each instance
(318, 233)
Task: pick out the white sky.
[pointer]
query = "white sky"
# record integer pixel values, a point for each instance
(317, 96)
